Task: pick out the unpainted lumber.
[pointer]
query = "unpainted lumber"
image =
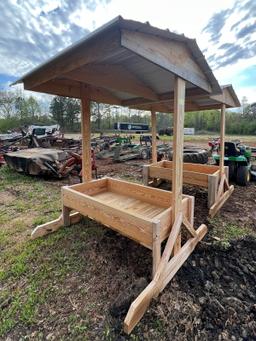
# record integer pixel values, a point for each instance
(54, 225)
(178, 141)
(86, 135)
(156, 249)
(216, 207)
(153, 132)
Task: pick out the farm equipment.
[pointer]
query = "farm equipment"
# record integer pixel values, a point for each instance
(238, 158)
(47, 162)
(214, 144)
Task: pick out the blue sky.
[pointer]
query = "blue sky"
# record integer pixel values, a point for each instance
(33, 31)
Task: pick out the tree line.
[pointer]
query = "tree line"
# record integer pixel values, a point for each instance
(17, 110)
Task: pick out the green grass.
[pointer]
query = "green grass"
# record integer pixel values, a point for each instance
(35, 273)
(226, 231)
(30, 269)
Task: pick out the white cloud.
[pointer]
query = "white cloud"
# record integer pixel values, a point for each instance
(32, 31)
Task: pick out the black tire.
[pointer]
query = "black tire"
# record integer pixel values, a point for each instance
(232, 171)
(195, 156)
(242, 176)
(144, 153)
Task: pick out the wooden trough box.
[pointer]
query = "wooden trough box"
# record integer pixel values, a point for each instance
(131, 209)
(141, 213)
(207, 176)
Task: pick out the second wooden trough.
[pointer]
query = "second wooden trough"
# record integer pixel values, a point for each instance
(206, 176)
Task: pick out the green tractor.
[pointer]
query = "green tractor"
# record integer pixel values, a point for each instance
(238, 158)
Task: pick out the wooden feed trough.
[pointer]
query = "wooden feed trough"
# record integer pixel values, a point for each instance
(206, 176)
(132, 64)
(214, 178)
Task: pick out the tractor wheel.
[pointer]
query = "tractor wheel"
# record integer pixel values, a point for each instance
(144, 153)
(195, 155)
(242, 176)
(232, 171)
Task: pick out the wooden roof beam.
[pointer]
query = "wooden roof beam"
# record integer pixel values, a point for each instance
(164, 97)
(114, 77)
(97, 94)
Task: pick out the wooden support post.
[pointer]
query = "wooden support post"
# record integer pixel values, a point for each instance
(177, 174)
(222, 139)
(145, 174)
(156, 250)
(86, 135)
(213, 182)
(153, 131)
(66, 216)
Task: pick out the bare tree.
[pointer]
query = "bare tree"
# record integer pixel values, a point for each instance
(7, 104)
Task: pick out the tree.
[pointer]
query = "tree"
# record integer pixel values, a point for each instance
(65, 111)
(250, 111)
(72, 111)
(98, 112)
(7, 104)
(32, 107)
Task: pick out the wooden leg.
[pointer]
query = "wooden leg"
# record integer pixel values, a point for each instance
(223, 193)
(145, 175)
(54, 225)
(66, 216)
(177, 245)
(213, 181)
(165, 272)
(156, 251)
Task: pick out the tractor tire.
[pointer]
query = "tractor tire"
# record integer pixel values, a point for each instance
(232, 171)
(144, 154)
(242, 176)
(195, 156)
(192, 156)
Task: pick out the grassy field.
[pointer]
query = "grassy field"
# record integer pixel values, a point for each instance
(60, 287)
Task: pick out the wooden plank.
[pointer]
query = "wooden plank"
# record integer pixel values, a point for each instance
(91, 188)
(54, 225)
(61, 88)
(191, 94)
(115, 77)
(222, 139)
(173, 56)
(129, 204)
(178, 260)
(217, 206)
(140, 305)
(145, 175)
(189, 177)
(66, 216)
(177, 175)
(148, 194)
(156, 250)
(130, 225)
(191, 210)
(86, 135)
(213, 181)
(166, 216)
(153, 132)
(193, 167)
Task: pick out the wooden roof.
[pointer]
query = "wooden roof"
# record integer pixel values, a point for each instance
(126, 63)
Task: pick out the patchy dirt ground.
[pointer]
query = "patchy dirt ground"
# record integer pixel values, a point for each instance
(77, 284)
